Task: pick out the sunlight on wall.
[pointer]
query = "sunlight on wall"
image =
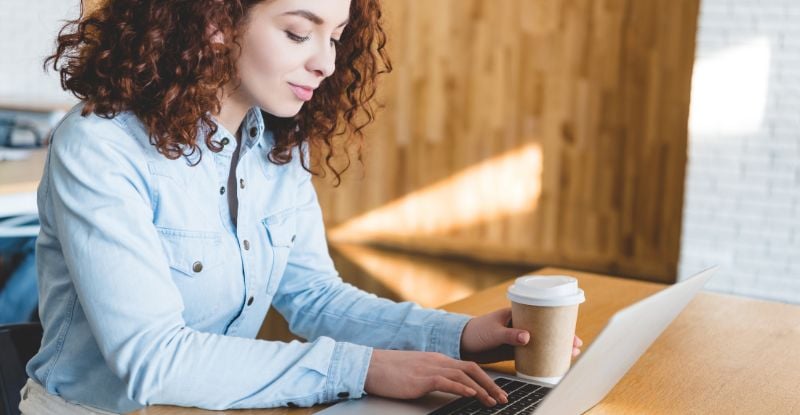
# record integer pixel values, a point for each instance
(729, 90)
(416, 281)
(501, 186)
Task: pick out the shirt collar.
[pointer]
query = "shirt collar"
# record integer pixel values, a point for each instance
(253, 131)
(253, 126)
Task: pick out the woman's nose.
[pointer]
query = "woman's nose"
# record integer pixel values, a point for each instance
(323, 63)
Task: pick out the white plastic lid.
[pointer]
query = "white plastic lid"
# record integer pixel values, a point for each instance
(546, 291)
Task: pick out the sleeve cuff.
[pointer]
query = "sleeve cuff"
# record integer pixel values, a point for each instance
(348, 371)
(446, 334)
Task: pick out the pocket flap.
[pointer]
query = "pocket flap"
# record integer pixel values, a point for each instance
(281, 228)
(192, 252)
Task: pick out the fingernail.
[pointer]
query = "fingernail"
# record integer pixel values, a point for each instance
(472, 392)
(492, 401)
(523, 337)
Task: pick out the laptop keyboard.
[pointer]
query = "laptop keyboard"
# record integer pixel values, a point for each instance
(523, 398)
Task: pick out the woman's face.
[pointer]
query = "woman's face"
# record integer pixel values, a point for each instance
(288, 49)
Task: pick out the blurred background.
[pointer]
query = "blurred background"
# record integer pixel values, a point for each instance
(642, 139)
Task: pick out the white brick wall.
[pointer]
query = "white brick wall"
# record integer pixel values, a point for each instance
(27, 35)
(742, 206)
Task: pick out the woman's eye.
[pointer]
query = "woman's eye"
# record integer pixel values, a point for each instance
(297, 38)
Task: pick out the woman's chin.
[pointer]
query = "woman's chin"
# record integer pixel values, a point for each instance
(287, 110)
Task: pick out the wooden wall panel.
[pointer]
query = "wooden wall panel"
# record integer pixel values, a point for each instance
(544, 132)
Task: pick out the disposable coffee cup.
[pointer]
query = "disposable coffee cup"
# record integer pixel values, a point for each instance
(547, 307)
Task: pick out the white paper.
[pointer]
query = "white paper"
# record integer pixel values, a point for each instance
(14, 154)
(22, 203)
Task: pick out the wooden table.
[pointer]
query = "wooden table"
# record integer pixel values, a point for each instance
(19, 176)
(722, 355)
(18, 182)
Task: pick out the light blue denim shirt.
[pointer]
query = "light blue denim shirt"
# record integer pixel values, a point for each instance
(150, 295)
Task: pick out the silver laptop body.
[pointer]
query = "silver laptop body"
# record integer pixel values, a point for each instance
(626, 336)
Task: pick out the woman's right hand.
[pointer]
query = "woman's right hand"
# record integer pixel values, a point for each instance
(410, 374)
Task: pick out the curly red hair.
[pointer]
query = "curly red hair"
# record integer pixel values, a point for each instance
(157, 59)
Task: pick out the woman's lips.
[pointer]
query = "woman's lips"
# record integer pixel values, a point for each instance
(303, 93)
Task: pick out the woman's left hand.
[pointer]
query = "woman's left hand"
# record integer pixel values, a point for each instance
(488, 338)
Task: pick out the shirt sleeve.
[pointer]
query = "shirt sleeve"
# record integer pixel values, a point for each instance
(103, 218)
(316, 302)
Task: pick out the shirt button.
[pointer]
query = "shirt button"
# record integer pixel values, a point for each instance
(222, 190)
(197, 266)
(246, 244)
(343, 394)
(241, 183)
(253, 131)
(225, 141)
(250, 301)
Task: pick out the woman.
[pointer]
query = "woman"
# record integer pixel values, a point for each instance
(177, 206)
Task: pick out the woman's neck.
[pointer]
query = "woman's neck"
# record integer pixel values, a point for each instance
(233, 109)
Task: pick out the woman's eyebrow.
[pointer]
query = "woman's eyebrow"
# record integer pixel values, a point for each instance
(312, 17)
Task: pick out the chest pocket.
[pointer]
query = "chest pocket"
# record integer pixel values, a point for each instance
(281, 231)
(195, 260)
(192, 253)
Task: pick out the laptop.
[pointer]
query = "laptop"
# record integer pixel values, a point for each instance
(624, 339)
